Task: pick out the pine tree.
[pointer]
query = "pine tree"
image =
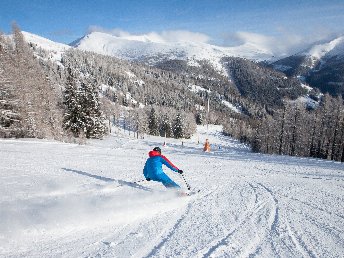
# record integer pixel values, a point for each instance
(140, 122)
(153, 123)
(166, 126)
(72, 119)
(37, 97)
(92, 117)
(83, 113)
(199, 118)
(178, 127)
(10, 119)
(281, 132)
(25, 91)
(190, 125)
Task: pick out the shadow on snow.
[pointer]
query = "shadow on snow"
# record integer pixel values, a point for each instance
(107, 179)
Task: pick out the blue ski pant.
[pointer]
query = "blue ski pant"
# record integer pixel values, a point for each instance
(165, 180)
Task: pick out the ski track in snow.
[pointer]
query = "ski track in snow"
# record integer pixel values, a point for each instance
(68, 200)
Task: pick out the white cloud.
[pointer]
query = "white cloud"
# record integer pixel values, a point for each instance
(115, 32)
(164, 36)
(183, 35)
(258, 40)
(282, 43)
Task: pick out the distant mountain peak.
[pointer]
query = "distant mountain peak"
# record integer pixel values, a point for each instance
(152, 48)
(334, 47)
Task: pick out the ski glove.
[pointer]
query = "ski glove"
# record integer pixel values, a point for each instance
(148, 179)
(180, 171)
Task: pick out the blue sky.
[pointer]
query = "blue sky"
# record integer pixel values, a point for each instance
(222, 22)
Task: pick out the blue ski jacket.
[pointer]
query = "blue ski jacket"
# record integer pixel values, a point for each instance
(153, 169)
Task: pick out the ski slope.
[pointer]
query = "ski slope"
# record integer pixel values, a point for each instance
(70, 200)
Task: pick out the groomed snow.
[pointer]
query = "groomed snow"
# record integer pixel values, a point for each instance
(70, 200)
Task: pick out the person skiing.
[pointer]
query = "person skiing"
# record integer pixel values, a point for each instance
(206, 147)
(153, 169)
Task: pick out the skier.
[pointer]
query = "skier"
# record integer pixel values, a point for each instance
(206, 147)
(153, 169)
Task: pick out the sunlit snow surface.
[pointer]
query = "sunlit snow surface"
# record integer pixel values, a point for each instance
(70, 200)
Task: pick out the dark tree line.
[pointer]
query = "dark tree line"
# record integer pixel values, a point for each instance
(296, 131)
(159, 121)
(326, 74)
(261, 84)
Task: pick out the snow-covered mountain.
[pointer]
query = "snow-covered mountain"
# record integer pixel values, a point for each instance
(152, 50)
(312, 57)
(330, 49)
(312, 65)
(44, 42)
(56, 49)
(181, 58)
(322, 66)
(53, 51)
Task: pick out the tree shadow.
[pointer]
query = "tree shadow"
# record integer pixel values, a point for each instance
(107, 179)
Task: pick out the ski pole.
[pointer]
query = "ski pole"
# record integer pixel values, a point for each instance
(187, 185)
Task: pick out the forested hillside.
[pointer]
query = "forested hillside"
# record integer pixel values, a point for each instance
(321, 66)
(261, 84)
(296, 131)
(29, 102)
(77, 94)
(328, 76)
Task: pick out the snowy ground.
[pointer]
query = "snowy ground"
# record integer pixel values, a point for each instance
(69, 200)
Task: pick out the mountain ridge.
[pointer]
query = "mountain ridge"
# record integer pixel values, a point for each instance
(152, 52)
(321, 66)
(311, 65)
